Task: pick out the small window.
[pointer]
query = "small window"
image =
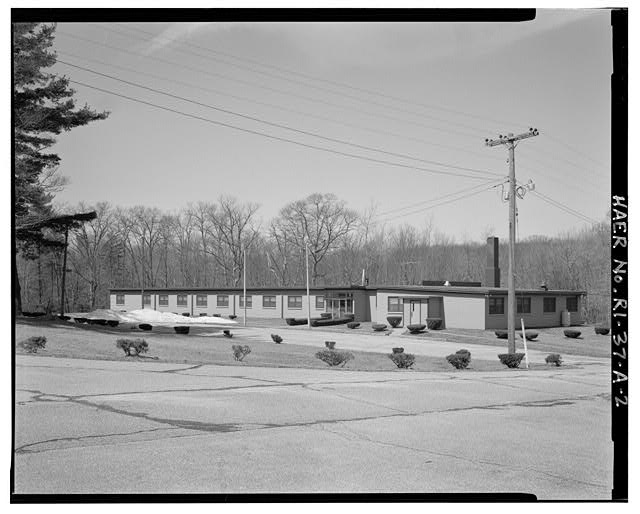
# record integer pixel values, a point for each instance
(163, 299)
(146, 299)
(572, 303)
(549, 305)
(119, 299)
(319, 302)
(294, 302)
(222, 300)
(269, 302)
(523, 305)
(249, 301)
(395, 304)
(201, 300)
(182, 300)
(496, 305)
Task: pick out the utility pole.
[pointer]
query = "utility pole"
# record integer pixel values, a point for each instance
(510, 140)
(64, 270)
(306, 260)
(244, 284)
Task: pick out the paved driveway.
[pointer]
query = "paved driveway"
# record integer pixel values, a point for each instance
(87, 426)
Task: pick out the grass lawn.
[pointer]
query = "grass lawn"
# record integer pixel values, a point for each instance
(96, 342)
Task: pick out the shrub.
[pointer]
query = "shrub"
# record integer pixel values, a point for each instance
(325, 315)
(349, 316)
(397, 350)
(353, 324)
(511, 360)
(144, 326)
(403, 360)
(203, 314)
(334, 358)
(276, 338)
(417, 328)
(502, 334)
(434, 323)
(240, 352)
(232, 316)
(460, 359)
(573, 334)
(132, 347)
(81, 320)
(63, 317)
(181, 330)
(113, 322)
(553, 358)
(603, 331)
(378, 327)
(216, 315)
(186, 314)
(529, 334)
(34, 343)
(330, 344)
(227, 333)
(394, 321)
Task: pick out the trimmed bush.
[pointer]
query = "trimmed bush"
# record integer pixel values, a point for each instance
(186, 314)
(529, 334)
(276, 338)
(460, 359)
(602, 331)
(334, 358)
(353, 324)
(319, 322)
(181, 330)
(573, 334)
(349, 316)
(378, 327)
(511, 360)
(295, 321)
(203, 314)
(227, 333)
(62, 317)
(232, 316)
(325, 315)
(398, 349)
(502, 334)
(553, 358)
(416, 328)
(132, 347)
(81, 320)
(240, 352)
(394, 321)
(34, 343)
(216, 315)
(145, 326)
(330, 344)
(434, 323)
(403, 360)
(113, 322)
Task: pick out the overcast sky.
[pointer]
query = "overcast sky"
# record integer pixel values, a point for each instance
(443, 89)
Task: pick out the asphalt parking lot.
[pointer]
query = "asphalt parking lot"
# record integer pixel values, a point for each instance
(87, 426)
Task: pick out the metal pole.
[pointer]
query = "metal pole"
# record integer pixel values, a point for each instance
(511, 300)
(64, 271)
(306, 248)
(244, 286)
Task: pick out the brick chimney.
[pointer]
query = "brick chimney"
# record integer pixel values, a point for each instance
(492, 271)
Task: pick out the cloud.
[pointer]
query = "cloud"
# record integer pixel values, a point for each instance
(179, 31)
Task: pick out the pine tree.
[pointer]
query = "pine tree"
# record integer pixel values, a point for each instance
(43, 107)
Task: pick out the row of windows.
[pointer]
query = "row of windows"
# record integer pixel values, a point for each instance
(523, 304)
(222, 300)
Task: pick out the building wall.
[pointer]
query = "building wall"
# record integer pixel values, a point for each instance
(537, 318)
(464, 312)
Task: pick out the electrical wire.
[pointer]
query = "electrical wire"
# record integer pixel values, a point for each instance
(286, 109)
(559, 142)
(264, 87)
(565, 208)
(277, 125)
(271, 136)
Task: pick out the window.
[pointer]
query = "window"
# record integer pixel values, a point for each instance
(249, 301)
(222, 300)
(572, 303)
(201, 300)
(119, 299)
(549, 305)
(146, 299)
(294, 302)
(269, 302)
(182, 300)
(320, 302)
(163, 299)
(395, 304)
(496, 305)
(523, 305)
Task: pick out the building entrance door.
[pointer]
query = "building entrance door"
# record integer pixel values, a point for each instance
(339, 307)
(412, 312)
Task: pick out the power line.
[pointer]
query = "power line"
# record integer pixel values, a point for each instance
(565, 208)
(272, 75)
(281, 108)
(271, 136)
(272, 124)
(574, 150)
(285, 93)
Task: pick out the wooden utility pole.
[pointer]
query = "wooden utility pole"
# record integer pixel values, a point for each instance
(64, 270)
(510, 140)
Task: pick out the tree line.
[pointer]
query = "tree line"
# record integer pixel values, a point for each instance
(204, 244)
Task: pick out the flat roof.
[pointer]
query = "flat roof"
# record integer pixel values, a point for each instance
(462, 290)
